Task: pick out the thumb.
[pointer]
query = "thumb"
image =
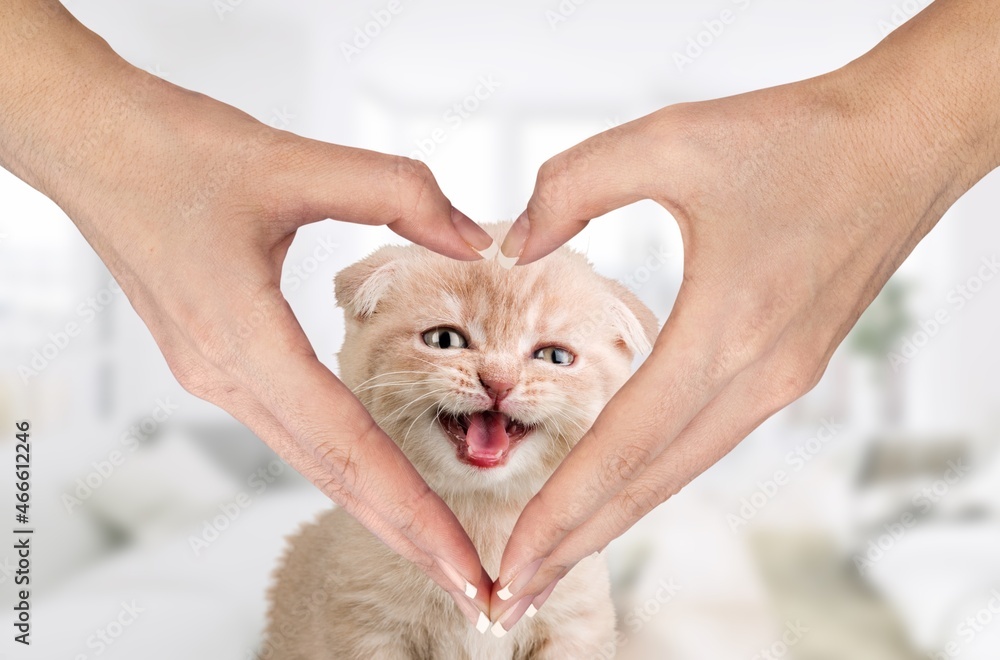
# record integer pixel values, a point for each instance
(603, 173)
(324, 180)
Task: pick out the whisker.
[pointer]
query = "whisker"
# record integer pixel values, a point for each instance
(400, 383)
(402, 411)
(410, 427)
(392, 373)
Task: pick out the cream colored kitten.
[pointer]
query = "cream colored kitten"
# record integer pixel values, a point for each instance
(485, 378)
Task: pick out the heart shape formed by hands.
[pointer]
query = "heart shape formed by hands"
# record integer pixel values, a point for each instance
(795, 205)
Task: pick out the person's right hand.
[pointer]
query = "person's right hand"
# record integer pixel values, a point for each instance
(192, 205)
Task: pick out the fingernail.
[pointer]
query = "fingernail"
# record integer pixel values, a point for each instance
(540, 599)
(460, 582)
(520, 581)
(511, 617)
(474, 235)
(475, 616)
(513, 242)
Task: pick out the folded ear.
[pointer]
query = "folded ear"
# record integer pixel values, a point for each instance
(360, 286)
(635, 323)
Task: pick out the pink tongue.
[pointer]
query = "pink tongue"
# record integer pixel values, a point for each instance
(487, 435)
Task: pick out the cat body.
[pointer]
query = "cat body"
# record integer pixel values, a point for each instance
(485, 378)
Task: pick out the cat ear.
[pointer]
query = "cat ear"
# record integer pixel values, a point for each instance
(635, 323)
(360, 286)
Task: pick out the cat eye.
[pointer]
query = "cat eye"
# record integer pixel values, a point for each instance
(555, 355)
(445, 338)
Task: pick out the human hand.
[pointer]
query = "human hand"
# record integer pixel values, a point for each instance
(193, 205)
(795, 205)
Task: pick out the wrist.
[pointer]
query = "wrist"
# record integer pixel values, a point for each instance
(931, 91)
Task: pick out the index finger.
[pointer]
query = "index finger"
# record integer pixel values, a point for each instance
(605, 172)
(638, 424)
(366, 470)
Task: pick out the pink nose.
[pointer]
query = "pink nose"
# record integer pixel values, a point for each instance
(496, 388)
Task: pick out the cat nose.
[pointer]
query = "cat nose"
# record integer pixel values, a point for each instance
(496, 388)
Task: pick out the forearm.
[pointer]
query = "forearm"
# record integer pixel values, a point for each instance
(938, 77)
(67, 100)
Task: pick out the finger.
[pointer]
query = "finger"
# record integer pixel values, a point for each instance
(320, 180)
(507, 614)
(603, 173)
(712, 434)
(255, 416)
(360, 463)
(210, 383)
(785, 370)
(687, 369)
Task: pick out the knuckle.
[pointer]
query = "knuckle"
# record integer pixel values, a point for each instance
(793, 377)
(554, 185)
(624, 464)
(636, 502)
(416, 182)
(414, 513)
(553, 170)
(338, 458)
(559, 520)
(335, 490)
(200, 379)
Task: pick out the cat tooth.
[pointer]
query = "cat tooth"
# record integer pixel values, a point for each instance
(484, 623)
(498, 630)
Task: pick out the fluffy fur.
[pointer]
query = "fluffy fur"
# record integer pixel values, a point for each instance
(340, 594)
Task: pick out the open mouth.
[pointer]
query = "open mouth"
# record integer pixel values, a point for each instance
(483, 439)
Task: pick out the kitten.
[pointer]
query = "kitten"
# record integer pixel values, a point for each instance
(486, 378)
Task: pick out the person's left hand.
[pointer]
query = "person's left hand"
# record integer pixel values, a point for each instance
(788, 236)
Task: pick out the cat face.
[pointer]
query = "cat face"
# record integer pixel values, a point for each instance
(486, 377)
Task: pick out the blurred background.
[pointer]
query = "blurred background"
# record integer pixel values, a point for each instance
(861, 522)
